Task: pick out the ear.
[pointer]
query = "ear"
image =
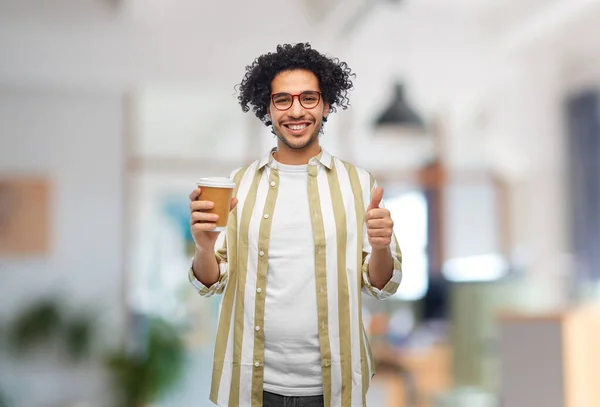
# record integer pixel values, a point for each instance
(325, 110)
(269, 113)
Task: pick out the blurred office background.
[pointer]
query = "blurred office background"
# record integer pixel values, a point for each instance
(481, 119)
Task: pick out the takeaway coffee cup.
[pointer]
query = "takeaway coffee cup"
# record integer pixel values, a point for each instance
(218, 190)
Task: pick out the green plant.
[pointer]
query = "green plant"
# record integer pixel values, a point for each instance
(44, 322)
(78, 337)
(35, 325)
(145, 375)
(3, 401)
(140, 377)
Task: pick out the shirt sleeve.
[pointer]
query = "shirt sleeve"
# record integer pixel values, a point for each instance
(392, 285)
(219, 286)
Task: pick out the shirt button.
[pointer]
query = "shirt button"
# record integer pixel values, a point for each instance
(257, 328)
(266, 216)
(257, 364)
(258, 290)
(272, 183)
(261, 253)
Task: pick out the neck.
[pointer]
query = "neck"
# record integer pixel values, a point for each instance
(286, 155)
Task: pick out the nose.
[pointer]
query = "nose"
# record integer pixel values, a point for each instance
(296, 110)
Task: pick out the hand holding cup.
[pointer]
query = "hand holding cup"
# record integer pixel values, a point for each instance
(210, 205)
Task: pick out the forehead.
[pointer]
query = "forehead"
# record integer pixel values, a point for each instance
(295, 81)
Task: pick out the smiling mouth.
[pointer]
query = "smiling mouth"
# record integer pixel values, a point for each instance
(296, 127)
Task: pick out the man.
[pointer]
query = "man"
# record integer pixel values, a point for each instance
(305, 236)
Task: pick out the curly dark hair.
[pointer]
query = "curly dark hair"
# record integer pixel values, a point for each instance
(334, 77)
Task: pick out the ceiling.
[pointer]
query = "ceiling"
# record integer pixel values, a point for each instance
(439, 46)
(174, 51)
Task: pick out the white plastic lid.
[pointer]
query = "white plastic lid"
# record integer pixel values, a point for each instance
(219, 182)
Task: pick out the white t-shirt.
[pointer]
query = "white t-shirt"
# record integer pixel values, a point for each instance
(292, 351)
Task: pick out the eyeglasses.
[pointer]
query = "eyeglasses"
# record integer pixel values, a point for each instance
(308, 99)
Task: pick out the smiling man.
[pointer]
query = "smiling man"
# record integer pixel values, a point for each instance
(307, 235)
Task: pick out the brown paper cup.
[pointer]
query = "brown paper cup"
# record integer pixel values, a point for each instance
(218, 190)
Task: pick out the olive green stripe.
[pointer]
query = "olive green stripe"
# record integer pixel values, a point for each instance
(339, 214)
(228, 298)
(369, 361)
(359, 206)
(242, 260)
(398, 251)
(392, 286)
(261, 282)
(320, 280)
(222, 252)
(370, 355)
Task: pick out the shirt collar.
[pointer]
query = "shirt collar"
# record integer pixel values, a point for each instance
(324, 158)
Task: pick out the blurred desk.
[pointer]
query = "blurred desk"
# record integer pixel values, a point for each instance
(428, 370)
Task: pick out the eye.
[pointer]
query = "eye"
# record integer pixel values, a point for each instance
(310, 97)
(281, 99)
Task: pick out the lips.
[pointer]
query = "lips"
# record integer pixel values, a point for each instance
(297, 127)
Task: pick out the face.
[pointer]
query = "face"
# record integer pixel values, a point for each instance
(298, 127)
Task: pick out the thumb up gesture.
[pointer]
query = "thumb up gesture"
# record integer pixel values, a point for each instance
(379, 222)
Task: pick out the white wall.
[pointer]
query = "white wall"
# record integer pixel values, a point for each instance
(75, 139)
(530, 125)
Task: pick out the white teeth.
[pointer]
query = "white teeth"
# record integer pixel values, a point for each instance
(297, 127)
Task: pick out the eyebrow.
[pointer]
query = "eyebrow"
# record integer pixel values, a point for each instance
(306, 90)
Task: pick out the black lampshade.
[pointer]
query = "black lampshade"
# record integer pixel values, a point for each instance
(399, 113)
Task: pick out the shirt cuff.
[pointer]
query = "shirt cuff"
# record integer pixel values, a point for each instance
(390, 287)
(217, 287)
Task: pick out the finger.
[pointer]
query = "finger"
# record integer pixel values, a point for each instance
(201, 206)
(376, 198)
(203, 227)
(379, 232)
(380, 223)
(377, 213)
(203, 217)
(195, 194)
(234, 202)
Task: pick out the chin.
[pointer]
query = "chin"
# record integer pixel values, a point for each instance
(300, 142)
(297, 142)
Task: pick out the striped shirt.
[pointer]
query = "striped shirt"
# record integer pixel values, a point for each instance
(338, 194)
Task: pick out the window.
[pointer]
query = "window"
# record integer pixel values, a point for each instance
(409, 212)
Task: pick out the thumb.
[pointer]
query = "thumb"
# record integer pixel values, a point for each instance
(376, 198)
(234, 202)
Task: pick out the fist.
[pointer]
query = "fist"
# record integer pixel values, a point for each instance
(380, 226)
